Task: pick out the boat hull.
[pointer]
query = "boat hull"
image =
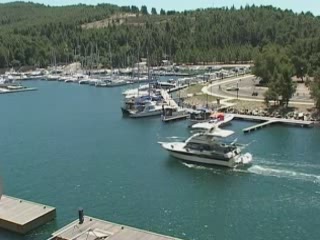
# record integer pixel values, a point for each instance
(125, 111)
(196, 159)
(145, 114)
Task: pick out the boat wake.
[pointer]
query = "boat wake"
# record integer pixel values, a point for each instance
(261, 170)
(202, 167)
(275, 162)
(281, 173)
(194, 166)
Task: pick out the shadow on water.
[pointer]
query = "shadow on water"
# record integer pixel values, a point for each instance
(6, 235)
(44, 232)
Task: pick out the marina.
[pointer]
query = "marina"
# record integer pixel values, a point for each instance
(266, 121)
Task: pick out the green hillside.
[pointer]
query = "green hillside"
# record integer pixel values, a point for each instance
(31, 34)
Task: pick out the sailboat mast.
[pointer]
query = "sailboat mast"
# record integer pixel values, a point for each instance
(139, 69)
(148, 63)
(110, 59)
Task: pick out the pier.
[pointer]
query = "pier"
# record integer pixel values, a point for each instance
(168, 99)
(22, 216)
(266, 121)
(93, 229)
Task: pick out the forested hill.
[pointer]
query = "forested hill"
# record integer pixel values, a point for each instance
(32, 34)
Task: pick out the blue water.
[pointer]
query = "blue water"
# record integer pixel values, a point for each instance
(67, 145)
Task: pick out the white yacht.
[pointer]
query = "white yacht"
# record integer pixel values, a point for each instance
(116, 83)
(216, 120)
(69, 80)
(149, 109)
(209, 148)
(135, 91)
(52, 77)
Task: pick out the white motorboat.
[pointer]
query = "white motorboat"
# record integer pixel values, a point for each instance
(149, 109)
(209, 148)
(116, 83)
(52, 77)
(203, 126)
(69, 80)
(62, 78)
(222, 119)
(216, 120)
(84, 81)
(136, 91)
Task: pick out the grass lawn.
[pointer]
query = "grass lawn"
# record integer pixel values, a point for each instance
(194, 89)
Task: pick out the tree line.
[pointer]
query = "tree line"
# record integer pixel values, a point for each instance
(30, 34)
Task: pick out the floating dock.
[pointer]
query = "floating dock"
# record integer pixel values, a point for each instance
(22, 216)
(266, 121)
(167, 119)
(94, 229)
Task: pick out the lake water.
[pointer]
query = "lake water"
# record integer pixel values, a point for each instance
(68, 146)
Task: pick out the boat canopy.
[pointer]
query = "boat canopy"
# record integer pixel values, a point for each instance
(217, 115)
(218, 132)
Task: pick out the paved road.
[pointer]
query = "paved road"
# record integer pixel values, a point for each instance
(216, 89)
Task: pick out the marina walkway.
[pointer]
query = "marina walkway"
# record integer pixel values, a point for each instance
(269, 121)
(166, 96)
(209, 90)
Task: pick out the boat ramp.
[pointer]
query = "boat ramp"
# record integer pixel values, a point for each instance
(266, 121)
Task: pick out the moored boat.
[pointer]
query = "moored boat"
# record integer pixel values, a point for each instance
(216, 120)
(149, 109)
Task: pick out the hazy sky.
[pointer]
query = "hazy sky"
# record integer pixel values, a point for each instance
(296, 5)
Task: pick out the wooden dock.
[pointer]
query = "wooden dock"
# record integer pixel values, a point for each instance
(93, 229)
(22, 216)
(266, 121)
